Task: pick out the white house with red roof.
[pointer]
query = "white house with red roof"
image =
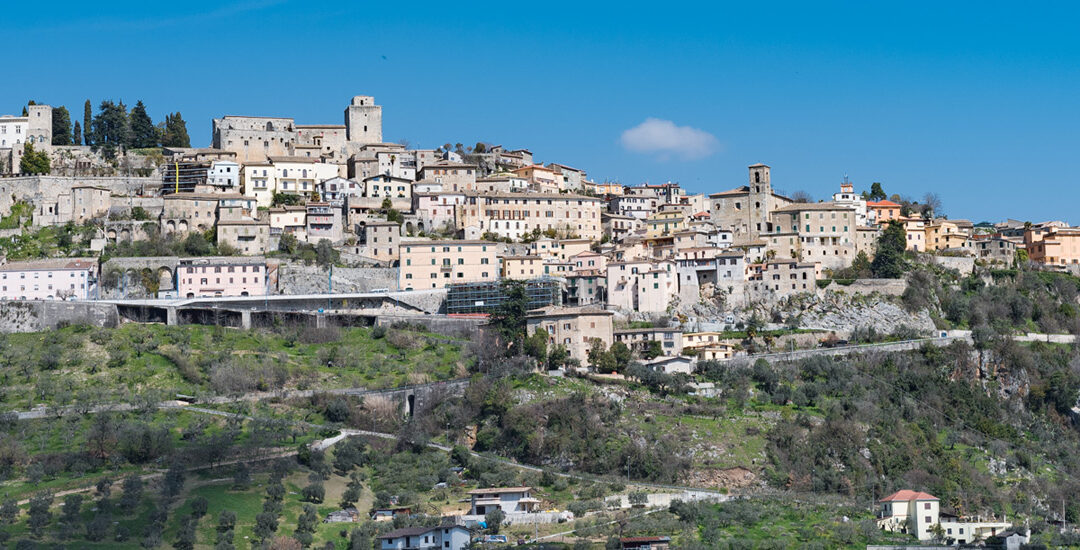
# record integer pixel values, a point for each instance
(917, 513)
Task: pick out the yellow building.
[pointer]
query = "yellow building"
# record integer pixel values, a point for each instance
(943, 234)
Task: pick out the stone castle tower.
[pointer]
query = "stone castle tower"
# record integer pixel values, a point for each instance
(39, 125)
(363, 120)
(760, 200)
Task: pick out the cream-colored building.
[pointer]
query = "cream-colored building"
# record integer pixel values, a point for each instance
(707, 346)
(866, 240)
(917, 513)
(513, 215)
(286, 175)
(434, 264)
(916, 233)
(574, 328)
(290, 220)
(388, 186)
(637, 339)
(248, 237)
(641, 285)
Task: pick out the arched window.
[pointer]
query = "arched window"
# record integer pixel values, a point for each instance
(269, 126)
(757, 177)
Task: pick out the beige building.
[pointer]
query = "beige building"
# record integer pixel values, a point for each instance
(822, 232)
(540, 178)
(618, 226)
(745, 211)
(574, 328)
(324, 221)
(664, 224)
(513, 215)
(248, 237)
(435, 264)
(522, 267)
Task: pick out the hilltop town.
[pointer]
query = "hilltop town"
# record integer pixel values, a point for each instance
(636, 347)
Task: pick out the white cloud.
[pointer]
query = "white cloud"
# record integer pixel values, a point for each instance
(664, 138)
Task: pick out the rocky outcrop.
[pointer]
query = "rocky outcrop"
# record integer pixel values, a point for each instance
(844, 313)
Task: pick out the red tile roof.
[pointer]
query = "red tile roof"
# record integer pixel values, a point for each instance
(882, 204)
(908, 495)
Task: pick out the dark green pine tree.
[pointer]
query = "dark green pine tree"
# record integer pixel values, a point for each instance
(143, 133)
(61, 126)
(76, 134)
(174, 133)
(88, 123)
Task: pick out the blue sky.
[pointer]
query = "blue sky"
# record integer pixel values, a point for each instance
(977, 102)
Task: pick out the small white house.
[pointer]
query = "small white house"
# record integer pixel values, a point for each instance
(444, 537)
(509, 499)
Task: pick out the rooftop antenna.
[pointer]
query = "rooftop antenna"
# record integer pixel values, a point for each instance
(846, 180)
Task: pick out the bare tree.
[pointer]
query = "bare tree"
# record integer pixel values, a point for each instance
(801, 196)
(932, 204)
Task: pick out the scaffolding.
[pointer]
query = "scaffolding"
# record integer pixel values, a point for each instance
(183, 177)
(472, 298)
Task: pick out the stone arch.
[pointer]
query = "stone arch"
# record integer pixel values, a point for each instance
(165, 278)
(409, 228)
(170, 226)
(111, 235)
(182, 226)
(125, 234)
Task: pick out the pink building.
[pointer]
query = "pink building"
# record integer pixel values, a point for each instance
(211, 277)
(54, 279)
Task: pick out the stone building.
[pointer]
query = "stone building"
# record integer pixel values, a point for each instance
(379, 241)
(249, 237)
(184, 212)
(254, 139)
(745, 210)
(79, 204)
(641, 285)
(363, 120)
(823, 232)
